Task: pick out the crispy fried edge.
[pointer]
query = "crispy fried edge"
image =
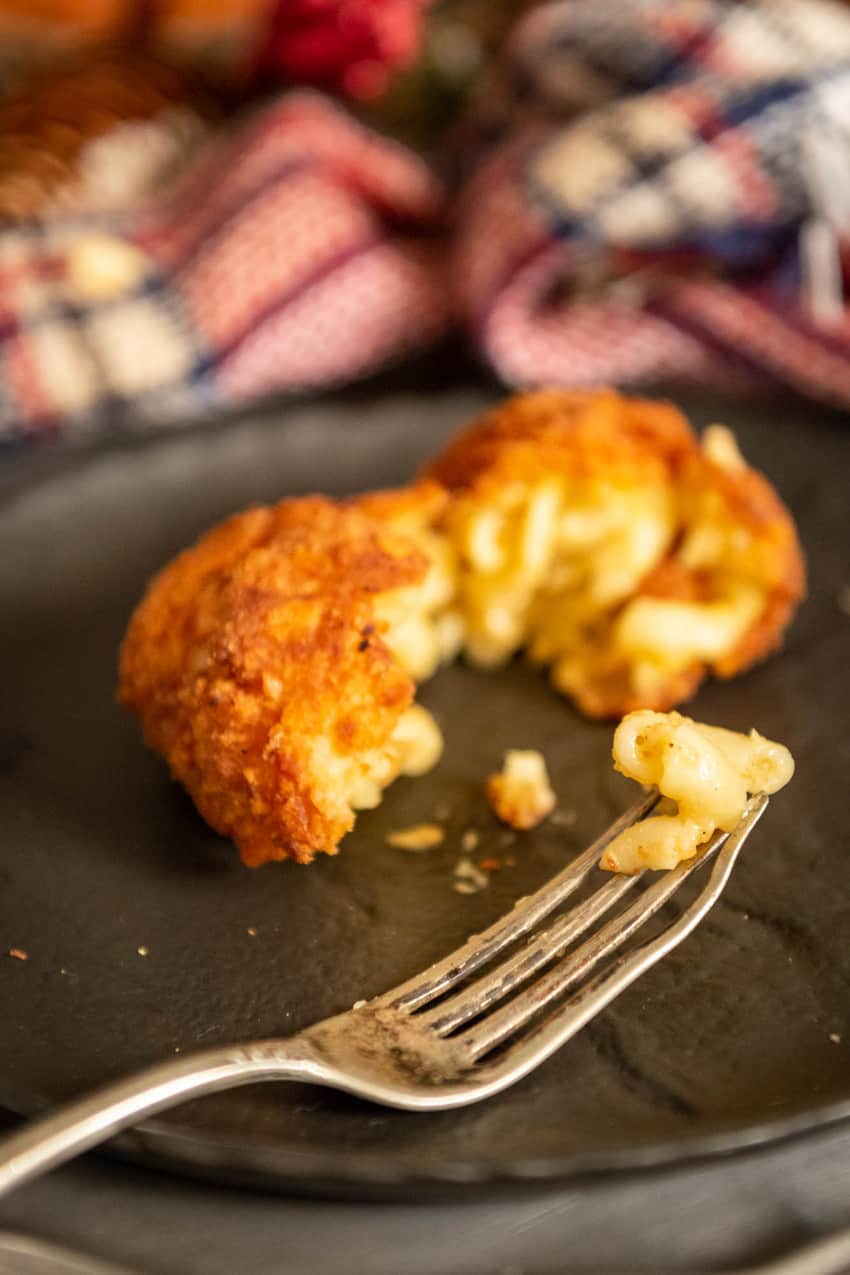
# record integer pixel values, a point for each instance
(167, 693)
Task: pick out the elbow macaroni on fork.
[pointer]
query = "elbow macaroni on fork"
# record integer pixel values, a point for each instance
(708, 771)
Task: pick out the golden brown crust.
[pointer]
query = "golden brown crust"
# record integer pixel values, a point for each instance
(421, 503)
(254, 644)
(574, 433)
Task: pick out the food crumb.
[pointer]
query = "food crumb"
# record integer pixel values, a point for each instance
(252, 931)
(520, 794)
(835, 1038)
(358, 1004)
(469, 841)
(143, 951)
(467, 878)
(19, 954)
(422, 836)
(490, 865)
(564, 818)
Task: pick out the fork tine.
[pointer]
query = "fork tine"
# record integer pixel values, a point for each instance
(505, 1022)
(473, 998)
(480, 948)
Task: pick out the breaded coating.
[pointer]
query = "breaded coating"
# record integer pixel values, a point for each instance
(582, 434)
(273, 664)
(260, 669)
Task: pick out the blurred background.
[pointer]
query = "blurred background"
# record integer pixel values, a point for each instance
(205, 202)
(214, 56)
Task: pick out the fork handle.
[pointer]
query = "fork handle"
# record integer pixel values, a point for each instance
(50, 1140)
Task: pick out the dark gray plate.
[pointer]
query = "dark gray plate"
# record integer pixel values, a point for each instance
(742, 1035)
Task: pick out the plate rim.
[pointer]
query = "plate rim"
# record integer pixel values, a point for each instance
(370, 1168)
(181, 1149)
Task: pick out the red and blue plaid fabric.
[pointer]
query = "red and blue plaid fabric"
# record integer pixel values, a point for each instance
(644, 220)
(638, 217)
(297, 253)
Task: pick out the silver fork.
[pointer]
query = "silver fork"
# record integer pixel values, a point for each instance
(453, 1035)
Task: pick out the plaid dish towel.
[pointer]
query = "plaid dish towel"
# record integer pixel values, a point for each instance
(659, 232)
(298, 252)
(661, 183)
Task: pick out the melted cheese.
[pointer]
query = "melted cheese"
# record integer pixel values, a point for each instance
(706, 770)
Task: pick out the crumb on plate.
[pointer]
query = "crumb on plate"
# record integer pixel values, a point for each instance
(421, 836)
(520, 793)
(468, 879)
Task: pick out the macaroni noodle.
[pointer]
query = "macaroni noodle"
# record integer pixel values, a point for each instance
(707, 770)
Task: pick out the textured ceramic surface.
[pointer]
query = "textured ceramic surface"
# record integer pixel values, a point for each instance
(743, 1033)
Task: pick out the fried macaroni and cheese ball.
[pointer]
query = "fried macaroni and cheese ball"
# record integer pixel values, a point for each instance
(264, 666)
(273, 664)
(595, 531)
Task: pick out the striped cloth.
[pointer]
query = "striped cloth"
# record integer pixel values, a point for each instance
(658, 234)
(635, 213)
(298, 253)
